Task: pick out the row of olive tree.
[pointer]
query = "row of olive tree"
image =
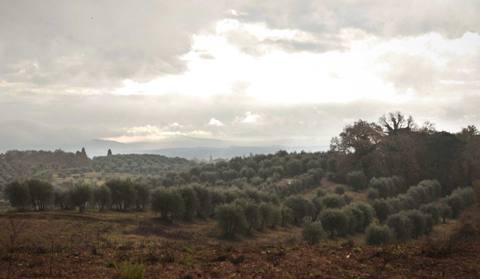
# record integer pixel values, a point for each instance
(425, 192)
(245, 217)
(412, 223)
(40, 195)
(255, 169)
(30, 194)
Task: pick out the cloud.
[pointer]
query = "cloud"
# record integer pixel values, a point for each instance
(277, 72)
(248, 118)
(38, 122)
(150, 133)
(95, 43)
(389, 18)
(215, 122)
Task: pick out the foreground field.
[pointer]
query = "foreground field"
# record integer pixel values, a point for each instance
(62, 245)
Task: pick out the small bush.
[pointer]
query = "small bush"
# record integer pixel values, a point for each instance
(131, 271)
(378, 235)
(313, 232)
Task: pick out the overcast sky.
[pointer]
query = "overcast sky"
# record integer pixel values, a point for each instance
(290, 72)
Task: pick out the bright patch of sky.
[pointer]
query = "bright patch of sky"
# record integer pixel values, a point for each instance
(216, 66)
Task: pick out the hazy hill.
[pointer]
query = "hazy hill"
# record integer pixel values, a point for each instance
(16, 164)
(24, 164)
(138, 163)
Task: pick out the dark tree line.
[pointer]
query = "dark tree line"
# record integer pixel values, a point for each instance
(396, 145)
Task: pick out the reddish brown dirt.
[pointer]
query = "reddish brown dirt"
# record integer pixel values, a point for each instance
(87, 248)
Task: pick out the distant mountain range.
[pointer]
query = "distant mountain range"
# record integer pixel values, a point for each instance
(189, 148)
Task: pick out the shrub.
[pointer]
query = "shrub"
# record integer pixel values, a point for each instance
(131, 271)
(313, 232)
(378, 235)
(231, 220)
(334, 221)
(357, 180)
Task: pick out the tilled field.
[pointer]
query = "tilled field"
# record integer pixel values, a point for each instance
(93, 248)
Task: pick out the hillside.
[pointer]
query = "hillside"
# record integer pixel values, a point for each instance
(372, 204)
(138, 164)
(26, 164)
(51, 166)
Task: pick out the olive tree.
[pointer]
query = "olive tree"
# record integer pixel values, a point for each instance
(231, 220)
(168, 203)
(18, 195)
(401, 226)
(102, 197)
(191, 202)
(378, 234)
(142, 196)
(41, 193)
(80, 195)
(333, 201)
(313, 232)
(334, 221)
(357, 180)
(300, 207)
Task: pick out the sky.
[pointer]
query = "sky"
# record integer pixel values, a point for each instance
(269, 72)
